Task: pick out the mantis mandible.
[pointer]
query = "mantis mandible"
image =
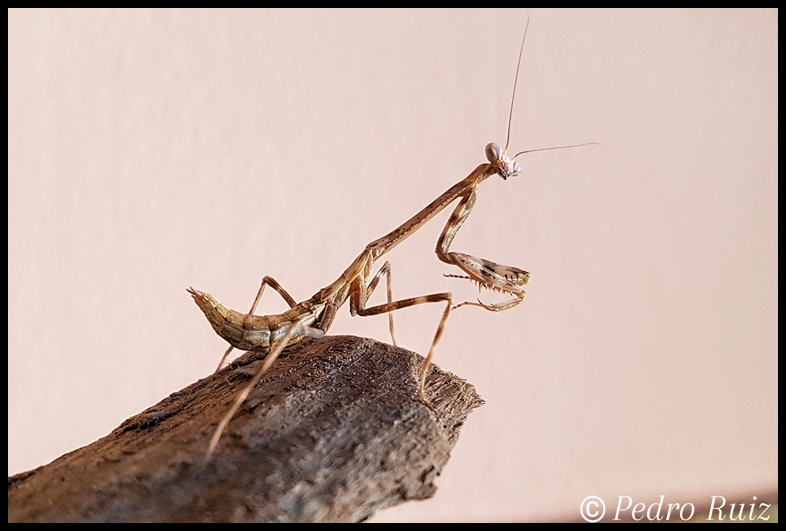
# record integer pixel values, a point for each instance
(312, 317)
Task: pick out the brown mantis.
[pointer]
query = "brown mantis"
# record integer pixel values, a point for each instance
(313, 317)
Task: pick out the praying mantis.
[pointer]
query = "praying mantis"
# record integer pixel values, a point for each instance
(313, 317)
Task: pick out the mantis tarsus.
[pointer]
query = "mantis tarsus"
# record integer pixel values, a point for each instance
(313, 317)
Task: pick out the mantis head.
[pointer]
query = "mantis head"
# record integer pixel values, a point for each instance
(506, 167)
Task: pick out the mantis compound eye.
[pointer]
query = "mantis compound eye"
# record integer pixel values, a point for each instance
(493, 152)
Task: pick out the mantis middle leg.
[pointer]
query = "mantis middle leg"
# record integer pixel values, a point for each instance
(357, 306)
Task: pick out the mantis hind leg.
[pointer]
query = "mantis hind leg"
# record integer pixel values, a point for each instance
(273, 283)
(293, 330)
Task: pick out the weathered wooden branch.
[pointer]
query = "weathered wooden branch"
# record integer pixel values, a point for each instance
(335, 432)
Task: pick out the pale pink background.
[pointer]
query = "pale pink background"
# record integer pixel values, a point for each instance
(153, 150)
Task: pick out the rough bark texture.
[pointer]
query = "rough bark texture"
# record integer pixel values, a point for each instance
(335, 432)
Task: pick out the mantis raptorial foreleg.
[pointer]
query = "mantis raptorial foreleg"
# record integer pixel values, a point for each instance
(273, 283)
(485, 273)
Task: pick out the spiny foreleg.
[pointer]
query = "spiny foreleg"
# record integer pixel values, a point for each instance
(487, 274)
